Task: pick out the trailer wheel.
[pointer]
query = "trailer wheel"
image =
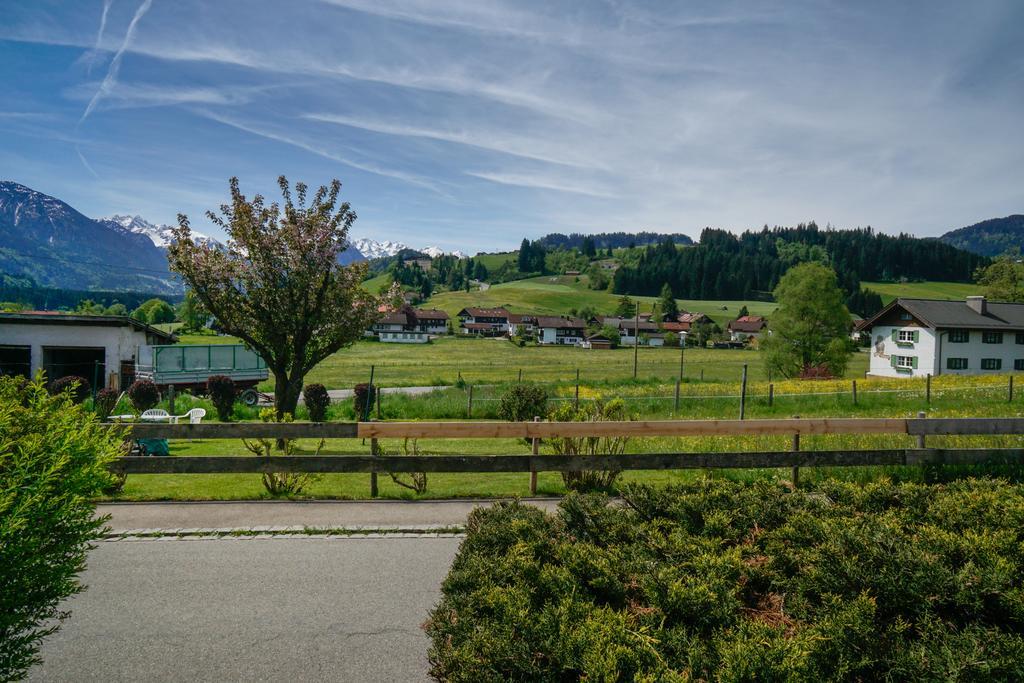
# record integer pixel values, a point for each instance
(250, 398)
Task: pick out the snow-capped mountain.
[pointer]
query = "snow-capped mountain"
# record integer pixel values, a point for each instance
(434, 252)
(161, 235)
(373, 249)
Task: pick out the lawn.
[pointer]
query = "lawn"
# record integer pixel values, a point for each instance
(923, 290)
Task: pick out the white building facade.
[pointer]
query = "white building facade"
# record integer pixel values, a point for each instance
(920, 337)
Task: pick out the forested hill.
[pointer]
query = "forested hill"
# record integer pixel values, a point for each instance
(990, 238)
(728, 266)
(604, 240)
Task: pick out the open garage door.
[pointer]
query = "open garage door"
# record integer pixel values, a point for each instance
(90, 363)
(15, 361)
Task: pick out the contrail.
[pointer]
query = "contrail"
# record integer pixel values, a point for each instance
(115, 64)
(99, 35)
(86, 163)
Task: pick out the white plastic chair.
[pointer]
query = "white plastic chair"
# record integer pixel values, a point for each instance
(155, 415)
(195, 416)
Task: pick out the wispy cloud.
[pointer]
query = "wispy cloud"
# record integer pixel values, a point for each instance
(555, 184)
(90, 57)
(115, 64)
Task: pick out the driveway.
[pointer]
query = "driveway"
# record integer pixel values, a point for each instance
(259, 609)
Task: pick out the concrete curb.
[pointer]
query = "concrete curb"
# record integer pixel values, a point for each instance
(271, 532)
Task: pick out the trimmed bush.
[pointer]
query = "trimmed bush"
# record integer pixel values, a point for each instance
(103, 404)
(143, 394)
(53, 458)
(77, 387)
(364, 396)
(718, 580)
(598, 410)
(523, 402)
(222, 391)
(317, 400)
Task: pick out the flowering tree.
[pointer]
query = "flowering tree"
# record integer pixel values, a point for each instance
(277, 285)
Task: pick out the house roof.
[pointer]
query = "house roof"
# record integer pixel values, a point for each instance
(474, 312)
(561, 322)
(691, 318)
(675, 327)
(644, 326)
(477, 326)
(61, 318)
(522, 318)
(748, 323)
(395, 318)
(429, 314)
(958, 314)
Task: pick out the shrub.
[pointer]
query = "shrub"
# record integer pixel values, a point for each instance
(53, 461)
(317, 400)
(104, 403)
(281, 483)
(523, 402)
(364, 396)
(78, 388)
(417, 480)
(595, 411)
(222, 391)
(143, 394)
(717, 580)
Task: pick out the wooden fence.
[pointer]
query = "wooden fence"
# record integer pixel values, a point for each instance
(535, 431)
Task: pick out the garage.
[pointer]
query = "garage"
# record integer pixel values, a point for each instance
(15, 361)
(87, 362)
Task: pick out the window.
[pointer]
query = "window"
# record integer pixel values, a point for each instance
(961, 336)
(992, 337)
(905, 316)
(956, 363)
(1018, 364)
(1020, 337)
(991, 363)
(906, 362)
(908, 336)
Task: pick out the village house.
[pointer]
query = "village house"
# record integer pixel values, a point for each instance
(919, 337)
(410, 325)
(100, 348)
(521, 324)
(483, 322)
(560, 330)
(597, 341)
(747, 327)
(649, 333)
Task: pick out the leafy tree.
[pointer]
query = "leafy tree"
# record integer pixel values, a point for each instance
(809, 329)
(154, 311)
(612, 334)
(192, 313)
(53, 462)
(117, 308)
(278, 286)
(625, 308)
(667, 305)
(90, 307)
(1003, 280)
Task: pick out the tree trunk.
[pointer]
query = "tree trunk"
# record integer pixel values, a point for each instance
(286, 397)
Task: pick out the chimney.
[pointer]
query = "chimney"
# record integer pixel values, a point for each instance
(978, 304)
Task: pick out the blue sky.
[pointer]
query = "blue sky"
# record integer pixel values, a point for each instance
(473, 123)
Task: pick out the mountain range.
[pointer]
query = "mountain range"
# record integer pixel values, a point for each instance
(990, 238)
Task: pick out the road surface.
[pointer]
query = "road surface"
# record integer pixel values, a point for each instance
(260, 609)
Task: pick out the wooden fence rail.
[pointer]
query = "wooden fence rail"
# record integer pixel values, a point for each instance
(795, 458)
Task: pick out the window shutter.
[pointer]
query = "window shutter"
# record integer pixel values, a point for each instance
(915, 362)
(892, 361)
(917, 336)
(895, 334)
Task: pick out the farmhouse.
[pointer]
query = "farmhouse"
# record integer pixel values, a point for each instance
(649, 333)
(521, 324)
(560, 330)
(100, 348)
(687, 321)
(483, 322)
(410, 325)
(747, 327)
(918, 337)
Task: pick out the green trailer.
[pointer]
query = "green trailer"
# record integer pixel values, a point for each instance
(189, 366)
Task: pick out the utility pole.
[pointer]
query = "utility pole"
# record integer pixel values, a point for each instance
(636, 340)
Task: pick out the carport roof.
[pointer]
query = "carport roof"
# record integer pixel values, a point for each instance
(60, 318)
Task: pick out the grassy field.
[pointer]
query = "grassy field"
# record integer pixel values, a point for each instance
(923, 290)
(553, 295)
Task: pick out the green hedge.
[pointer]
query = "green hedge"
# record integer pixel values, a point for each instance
(719, 580)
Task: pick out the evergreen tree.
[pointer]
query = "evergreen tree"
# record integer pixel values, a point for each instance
(667, 306)
(626, 307)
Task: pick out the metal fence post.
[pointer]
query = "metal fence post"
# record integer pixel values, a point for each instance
(771, 395)
(676, 409)
(1009, 397)
(854, 383)
(928, 389)
(743, 393)
(577, 402)
(533, 472)
(920, 437)
(469, 402)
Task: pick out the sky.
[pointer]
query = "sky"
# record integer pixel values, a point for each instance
(470, 124)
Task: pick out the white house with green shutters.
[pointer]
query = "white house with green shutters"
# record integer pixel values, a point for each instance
(919, 337)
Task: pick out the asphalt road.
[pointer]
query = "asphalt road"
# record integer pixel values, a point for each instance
(270, 609)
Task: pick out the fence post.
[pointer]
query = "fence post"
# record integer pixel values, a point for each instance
(374, 451)
(378, 393)
(928, 389)
(743, 393)
(854, 382)
(796, 448)
(920, 437)
(520, 375)
(469, 403)
(676, 409)
(533, 472)
(1009, 397)
(771, 395)
(170, 399)
(702, 374)
(577, 403)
